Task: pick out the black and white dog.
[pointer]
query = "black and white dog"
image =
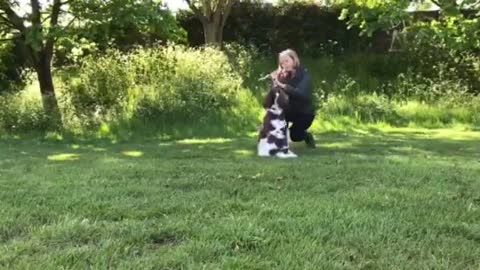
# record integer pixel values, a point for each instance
(273, 135)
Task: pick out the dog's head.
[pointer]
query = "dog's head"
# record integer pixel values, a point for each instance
(276, 96)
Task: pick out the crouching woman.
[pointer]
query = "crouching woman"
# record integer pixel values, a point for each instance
(298, 86)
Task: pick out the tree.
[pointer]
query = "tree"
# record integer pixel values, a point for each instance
(126, 23)
(48, 23)
(37, 32)
(213, 14)
(372, 15)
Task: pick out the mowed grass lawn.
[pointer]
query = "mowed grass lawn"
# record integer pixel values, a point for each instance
(379, 199)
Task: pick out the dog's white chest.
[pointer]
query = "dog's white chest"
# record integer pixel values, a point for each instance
(275, 141)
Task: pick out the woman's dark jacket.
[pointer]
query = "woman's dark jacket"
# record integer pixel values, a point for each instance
(299, 90)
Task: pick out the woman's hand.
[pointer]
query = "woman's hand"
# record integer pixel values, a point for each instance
(279, 84)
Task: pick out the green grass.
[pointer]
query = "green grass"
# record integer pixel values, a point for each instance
(371, 199)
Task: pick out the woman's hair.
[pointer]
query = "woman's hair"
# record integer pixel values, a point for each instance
(279, 73)
(292, 54)
(287, 53)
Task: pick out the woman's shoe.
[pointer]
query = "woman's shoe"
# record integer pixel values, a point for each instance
(309, 140)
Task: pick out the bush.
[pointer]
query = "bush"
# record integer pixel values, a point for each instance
(171, 83)
(308, 28)
(412, 85)
(21, 112)
(445, 50)
(12, 62)
(415, 100)
(102, 87)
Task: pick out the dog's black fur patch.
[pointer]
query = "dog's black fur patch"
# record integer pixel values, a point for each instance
(276, 104)
(275, 151)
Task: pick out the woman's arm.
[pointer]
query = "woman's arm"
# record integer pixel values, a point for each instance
(303, 88)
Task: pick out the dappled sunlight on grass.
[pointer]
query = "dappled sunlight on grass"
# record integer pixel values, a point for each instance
(410, 150)
(132, 153)
(64, 157)
(205, 141)
(337, 145)
(454, 135)
(368, 143)
(121, 194)
(165, 144)
(244, 152)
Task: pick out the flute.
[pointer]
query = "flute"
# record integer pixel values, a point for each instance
(272, 75)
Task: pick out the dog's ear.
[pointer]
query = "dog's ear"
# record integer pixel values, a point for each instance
(269, 99)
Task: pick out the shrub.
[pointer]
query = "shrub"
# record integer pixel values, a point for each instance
(173, 82)
(12, 60)
(22, 111)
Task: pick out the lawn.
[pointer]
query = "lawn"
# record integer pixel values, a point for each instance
(371, 199)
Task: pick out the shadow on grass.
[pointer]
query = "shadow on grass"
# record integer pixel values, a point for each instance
(373, 143)
(111, 181)
(426, 143)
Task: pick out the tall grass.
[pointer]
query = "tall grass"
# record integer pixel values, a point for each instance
(372, 89)
(177, 91)
(174, 90)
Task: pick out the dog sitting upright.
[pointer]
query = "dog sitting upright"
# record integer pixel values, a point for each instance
(273, 135)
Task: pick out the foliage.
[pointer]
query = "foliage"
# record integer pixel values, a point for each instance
(12, 61)
(172, 82)
(21, 112)
(371, 16)
(374, 15)
(37, 31)
(446, 50)
(377, 199)
(213, 15)
(117, 24)
(307, 28)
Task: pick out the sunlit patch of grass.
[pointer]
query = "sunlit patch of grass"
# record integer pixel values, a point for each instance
(205, 141)
(132, 153)
(380, 198)
(64, 157)
(244, 152)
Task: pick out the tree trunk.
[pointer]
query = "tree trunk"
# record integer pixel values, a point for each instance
(49, 99)
(213, 33)
(220, 34)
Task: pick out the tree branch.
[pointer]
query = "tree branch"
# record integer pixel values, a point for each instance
(435, 2)
(217, 13)
(46, 18)
(7, 39)
(227, 10)
(13, 18)
(197, 12)
(70, 22)
(53, 23)
(207, 8)
(3, 17)
(56, 8)
(36, 13)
